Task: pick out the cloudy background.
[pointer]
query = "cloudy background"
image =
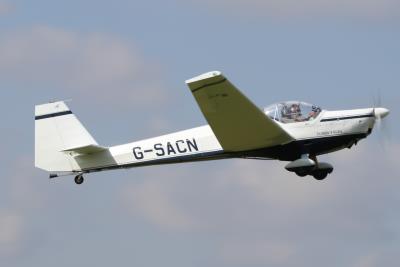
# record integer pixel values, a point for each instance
(123, 64)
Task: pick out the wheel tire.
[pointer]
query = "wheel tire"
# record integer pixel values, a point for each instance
(79, 179)
(301, 174)
(320, 175)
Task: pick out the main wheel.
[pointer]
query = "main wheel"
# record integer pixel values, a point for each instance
(301, 173)
(79, 179)
(320, 175)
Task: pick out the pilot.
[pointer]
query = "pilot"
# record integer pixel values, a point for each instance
(295, 112)
(314, 112)
(284, 111)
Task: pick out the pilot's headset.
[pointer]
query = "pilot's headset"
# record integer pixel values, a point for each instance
(315, 109)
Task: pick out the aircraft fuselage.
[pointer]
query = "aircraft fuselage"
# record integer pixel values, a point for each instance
(330, 131)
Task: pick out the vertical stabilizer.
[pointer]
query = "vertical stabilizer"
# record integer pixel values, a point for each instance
(57, 129)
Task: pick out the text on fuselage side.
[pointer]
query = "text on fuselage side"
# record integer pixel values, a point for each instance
(167, 149)
(332, 132)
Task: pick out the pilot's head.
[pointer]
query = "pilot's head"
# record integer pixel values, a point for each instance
(315, 109)
(295, 108)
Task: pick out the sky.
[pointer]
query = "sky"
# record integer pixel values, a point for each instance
(122, 66)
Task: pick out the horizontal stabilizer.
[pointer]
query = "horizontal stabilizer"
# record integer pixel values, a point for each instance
(84, 150)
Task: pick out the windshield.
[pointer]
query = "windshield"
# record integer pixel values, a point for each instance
(292, 111)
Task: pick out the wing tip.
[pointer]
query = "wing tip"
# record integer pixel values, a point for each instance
(204, 76)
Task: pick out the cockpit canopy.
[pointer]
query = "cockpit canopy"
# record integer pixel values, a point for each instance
(292, 111)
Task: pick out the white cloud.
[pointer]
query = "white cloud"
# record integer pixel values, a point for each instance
(24, 192)
(154, 201)
(95, 66)
(24, 199)
(368, 260)
(289, 9)
(11, 232)
(378, 257)
(259, 214)
(5, 8)
(243, 253)
(269, 182)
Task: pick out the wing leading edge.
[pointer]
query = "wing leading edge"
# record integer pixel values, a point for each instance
(238, 124)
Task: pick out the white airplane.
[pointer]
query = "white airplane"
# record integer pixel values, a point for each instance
(289, 131)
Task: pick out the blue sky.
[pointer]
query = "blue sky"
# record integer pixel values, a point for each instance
(123, 64)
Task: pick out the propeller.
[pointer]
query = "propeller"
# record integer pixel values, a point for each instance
(380, 113)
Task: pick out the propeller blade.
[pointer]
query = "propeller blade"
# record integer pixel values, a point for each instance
(380, 124)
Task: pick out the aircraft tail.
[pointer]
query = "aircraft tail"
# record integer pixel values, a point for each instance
(58, 133)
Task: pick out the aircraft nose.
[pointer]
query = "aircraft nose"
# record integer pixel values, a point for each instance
(381, 112)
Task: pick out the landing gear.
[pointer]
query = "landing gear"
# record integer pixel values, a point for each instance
(322, 171)
(79, 179)
(320, 174)
(301, 173)
(302, 166)
(309, 165)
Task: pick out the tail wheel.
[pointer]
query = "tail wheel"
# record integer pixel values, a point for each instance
(79, 179)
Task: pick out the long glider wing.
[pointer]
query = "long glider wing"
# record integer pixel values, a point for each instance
(238, 124)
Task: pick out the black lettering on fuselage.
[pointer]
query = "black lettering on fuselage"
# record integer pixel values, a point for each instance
(180, 149)
(160, 150)
(170, 149)
(192, 145)
(137, 152)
